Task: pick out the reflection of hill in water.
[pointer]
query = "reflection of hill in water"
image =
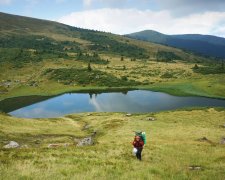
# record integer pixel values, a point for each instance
(13, 104)
(133, 102)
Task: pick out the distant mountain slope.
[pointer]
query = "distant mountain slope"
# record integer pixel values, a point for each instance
(202, 44)
(25, 39)
(48, 37)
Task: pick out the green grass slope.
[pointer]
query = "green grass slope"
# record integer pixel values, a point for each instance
(40, 57)
(173, 146)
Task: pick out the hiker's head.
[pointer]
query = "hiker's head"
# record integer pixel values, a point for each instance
(137, 138)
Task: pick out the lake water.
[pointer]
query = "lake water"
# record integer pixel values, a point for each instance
(136, 101)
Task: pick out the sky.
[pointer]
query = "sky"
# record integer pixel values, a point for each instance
(127, 16)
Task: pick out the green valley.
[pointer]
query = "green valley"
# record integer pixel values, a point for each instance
(46, 58)
(30, 48)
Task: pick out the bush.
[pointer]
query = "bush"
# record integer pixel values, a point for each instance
(124, 78)
(213, 69)
(86, 77)
(93, 58)
(165, 56)
(167, 75)
(107, 44)
(196, 67)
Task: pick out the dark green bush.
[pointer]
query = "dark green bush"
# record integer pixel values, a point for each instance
(213, 69)
(92, 58)
(85, 77)
(107, 44)
(167, 75)
(165, 56)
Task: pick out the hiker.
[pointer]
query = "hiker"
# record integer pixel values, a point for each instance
(138, 143)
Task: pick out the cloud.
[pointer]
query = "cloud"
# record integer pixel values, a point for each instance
(96, 104)
(106, 3)
(87, 3)
(184, 7)
(5, 2)
(123, 21)
(176, 7)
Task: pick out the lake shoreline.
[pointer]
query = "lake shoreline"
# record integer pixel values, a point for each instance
(127, 101)
(95, 90)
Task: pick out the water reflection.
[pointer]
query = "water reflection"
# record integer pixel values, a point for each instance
(132, 101)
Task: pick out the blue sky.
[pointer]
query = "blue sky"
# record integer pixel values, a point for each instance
(53, 9)
(126, 16)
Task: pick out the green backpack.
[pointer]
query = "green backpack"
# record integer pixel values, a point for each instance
(142, 135)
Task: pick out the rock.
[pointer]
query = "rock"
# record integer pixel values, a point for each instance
(128, 114)
(151, 119)
(86, 141)
(12, 144)
(222, 140)
(195, 167)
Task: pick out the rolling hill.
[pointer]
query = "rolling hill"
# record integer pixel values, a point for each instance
(45, 58)
(55, 38)
(202, 44)
(40, 57)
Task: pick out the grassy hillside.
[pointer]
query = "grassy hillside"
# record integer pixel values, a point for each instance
(202, 44)
(41, 57)
(175, 144)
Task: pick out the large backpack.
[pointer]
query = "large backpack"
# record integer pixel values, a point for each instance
(142, 135)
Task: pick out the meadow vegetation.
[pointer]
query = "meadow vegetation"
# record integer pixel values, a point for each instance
(107, 61)
(46, 58)
(175, 143)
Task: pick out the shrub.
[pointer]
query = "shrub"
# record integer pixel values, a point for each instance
(86, 77)
(167, 75)
(212, 69)
(165, 56)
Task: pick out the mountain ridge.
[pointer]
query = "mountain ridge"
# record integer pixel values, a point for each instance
(19, 29)
(41, 57)
(207, 45)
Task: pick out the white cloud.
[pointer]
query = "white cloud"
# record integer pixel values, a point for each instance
(123, 21)
(5, 2)
(107, 3)
(184, 7)
(87, 3)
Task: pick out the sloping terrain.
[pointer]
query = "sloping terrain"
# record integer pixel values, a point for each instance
(40, 57)
(183, 144)
(202, 44)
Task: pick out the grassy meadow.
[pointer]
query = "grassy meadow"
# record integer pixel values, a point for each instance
(50, 58)
(176, 78)
(172, 147)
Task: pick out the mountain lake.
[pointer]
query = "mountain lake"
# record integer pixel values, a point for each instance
(135, 101)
